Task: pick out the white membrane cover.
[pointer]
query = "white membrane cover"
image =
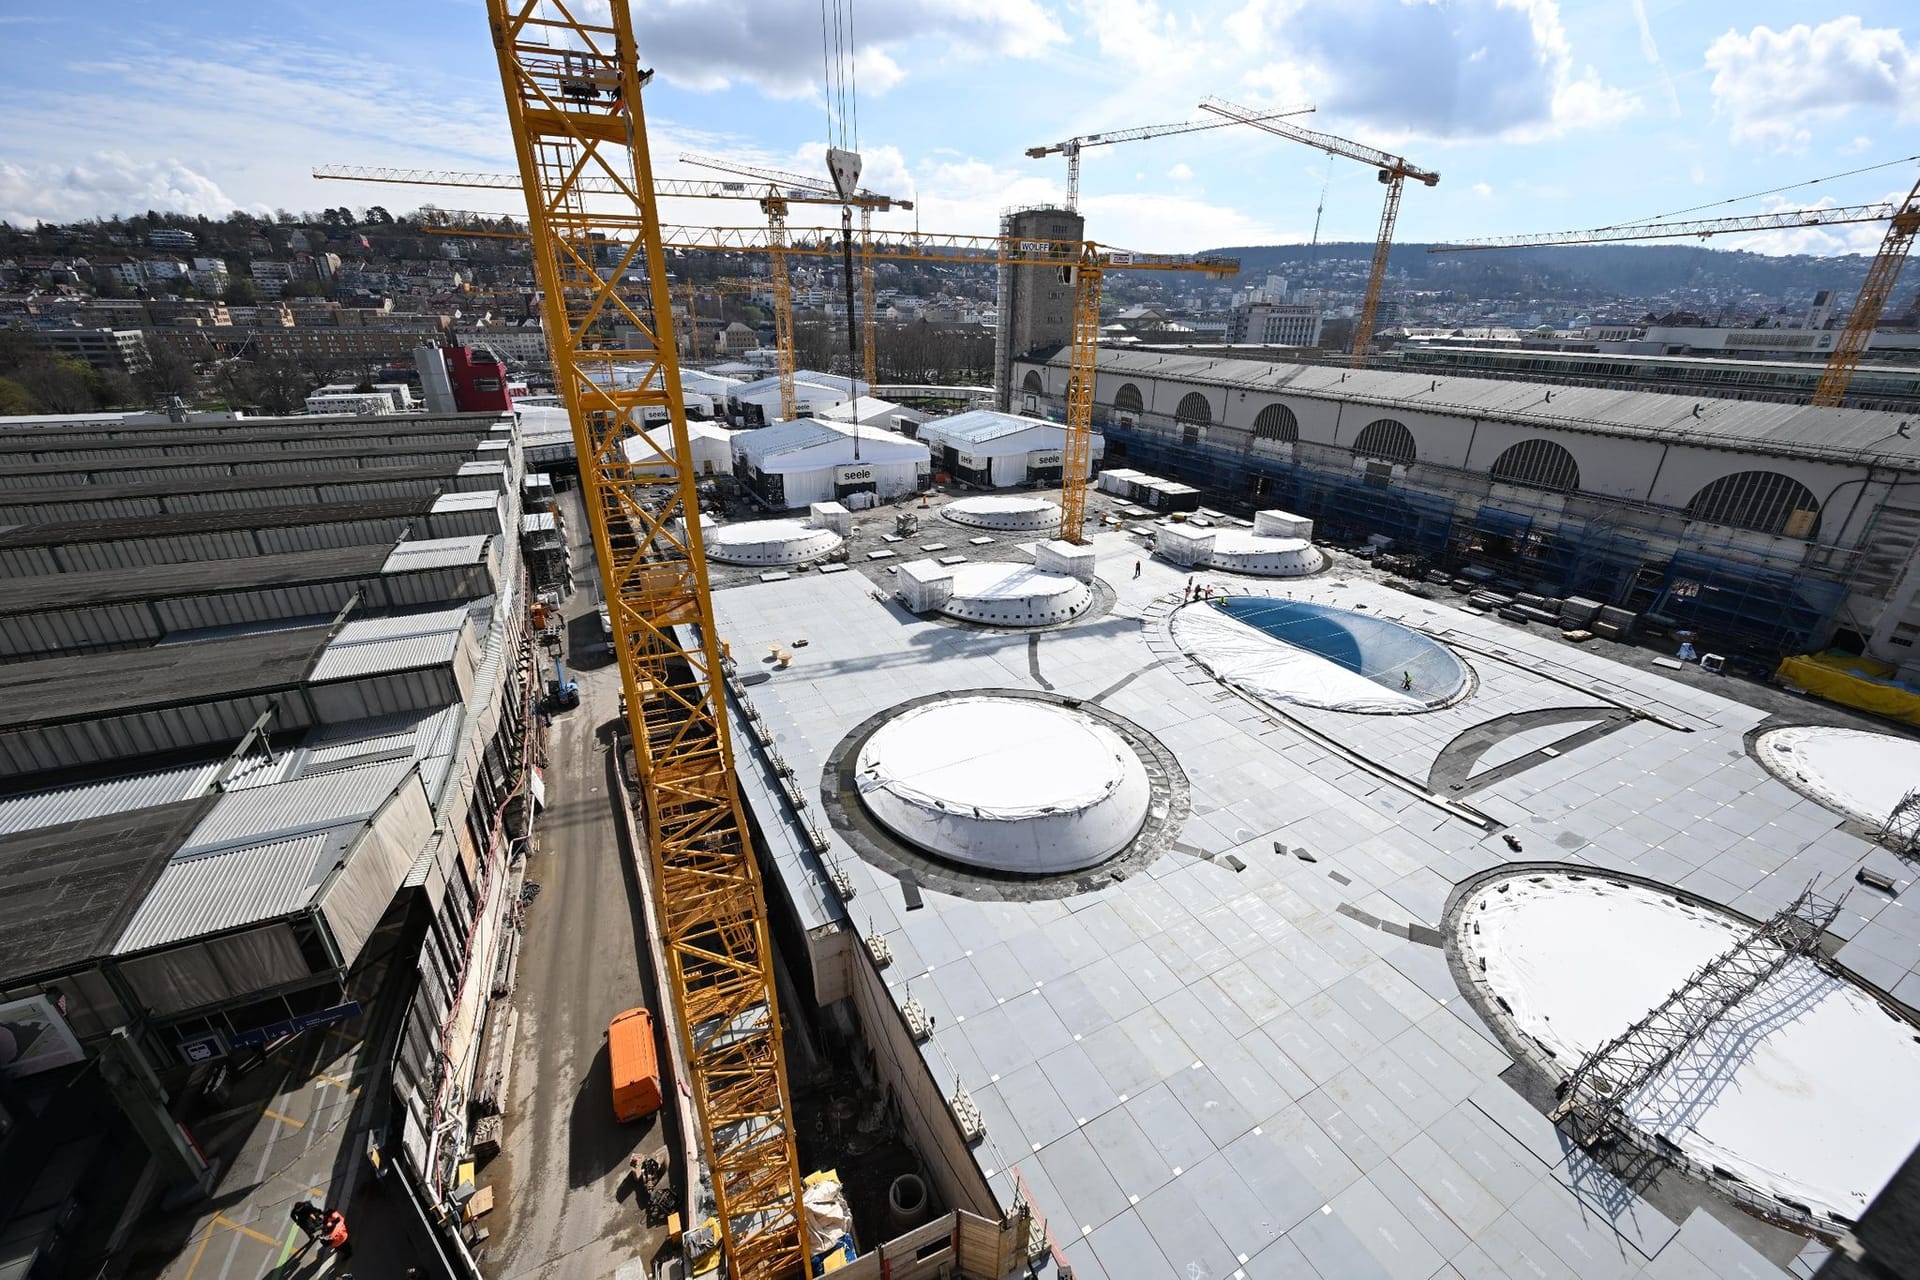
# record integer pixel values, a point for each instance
(770, 542)
(1005, 784)
(1248, 657)
(1861, 774)
(1003, 511)
(1800, 1091)
(1015, 595)
(1244, 551)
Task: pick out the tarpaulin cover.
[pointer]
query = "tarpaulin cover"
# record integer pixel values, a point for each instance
(1852, 682)
(1298, 651)
(1005, 783)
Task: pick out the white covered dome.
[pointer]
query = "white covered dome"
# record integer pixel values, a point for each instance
(1007, 784)
(1243, 551)
(1003, 511)
(1003, 594)
(770, 542)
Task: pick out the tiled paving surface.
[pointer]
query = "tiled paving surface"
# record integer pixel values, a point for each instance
(1207, 1073)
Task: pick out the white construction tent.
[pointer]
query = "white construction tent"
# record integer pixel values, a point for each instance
(885, 415)
(992, 449)
(798, 463)
(757, 403)
(712, 447)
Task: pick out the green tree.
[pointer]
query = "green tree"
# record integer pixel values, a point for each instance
(168, 373)
(58, 384)
(242, 292)
(14, 398)
(281, 386)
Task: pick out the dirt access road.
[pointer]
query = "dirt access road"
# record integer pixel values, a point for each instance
(565, 1204)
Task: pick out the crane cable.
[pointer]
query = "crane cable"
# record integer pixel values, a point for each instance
(1774, 191)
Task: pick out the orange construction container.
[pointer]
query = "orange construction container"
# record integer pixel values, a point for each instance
(636, 1069)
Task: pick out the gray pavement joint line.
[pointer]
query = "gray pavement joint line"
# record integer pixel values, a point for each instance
(1466, 813)
(1452, 636)
(1033, 662)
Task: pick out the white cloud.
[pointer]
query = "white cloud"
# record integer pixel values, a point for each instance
(1843, 238)
(1138, 34)
(775, 45)
(1182, 172)
(109, 181)
(1416, 68)
(1854, 148)
(1770, 85)
(1482, 190)
(1650, 50)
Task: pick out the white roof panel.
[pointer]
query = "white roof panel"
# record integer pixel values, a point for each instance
(241, 886)
(369, 646)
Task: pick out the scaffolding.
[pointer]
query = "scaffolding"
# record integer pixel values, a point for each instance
(1619, 554)
(1594, 1096)
(1902, 832)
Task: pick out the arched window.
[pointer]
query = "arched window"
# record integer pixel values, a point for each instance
(1193, 408)
(1127, 399)
(1763, 500)
(1033, 383)
(1386, 440)
(1276, 422)
(1540, 463)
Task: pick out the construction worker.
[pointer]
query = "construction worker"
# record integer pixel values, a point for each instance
(1136, 568)
(1406, 681)
(335, 1229)
(307, 1216)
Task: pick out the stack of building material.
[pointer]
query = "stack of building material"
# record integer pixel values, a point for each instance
(1576, 612)
(1614, 624)
(1534, 608)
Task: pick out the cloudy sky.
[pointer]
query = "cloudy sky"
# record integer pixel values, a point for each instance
(1538, 115)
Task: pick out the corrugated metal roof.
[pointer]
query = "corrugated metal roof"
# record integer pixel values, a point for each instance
(437, 553)
(98, 799)
(286, 809)
(369, 646)
(239, 887)
(478, 500)
(1850, 435)
(540, 522)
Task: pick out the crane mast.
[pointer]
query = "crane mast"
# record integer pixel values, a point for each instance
(1903, 224)
(1393, 171)
(1882, 274)
(867, 201)
(573, 95)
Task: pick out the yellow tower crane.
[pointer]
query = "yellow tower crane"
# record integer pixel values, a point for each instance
(1072, 147)
(1903, 224)
(1086, 261)
(573, 96)
(1394, 172)
(773, 202)
(867, 201)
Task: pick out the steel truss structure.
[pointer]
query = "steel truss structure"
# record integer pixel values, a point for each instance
(573, 93)
(1593, 1096)
(1902, 832)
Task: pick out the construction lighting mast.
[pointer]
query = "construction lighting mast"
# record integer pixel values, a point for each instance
(1072, 147)
(1086, 261)
(573, 94)
(866, 201)
(1903, 224)
(1394, 172)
